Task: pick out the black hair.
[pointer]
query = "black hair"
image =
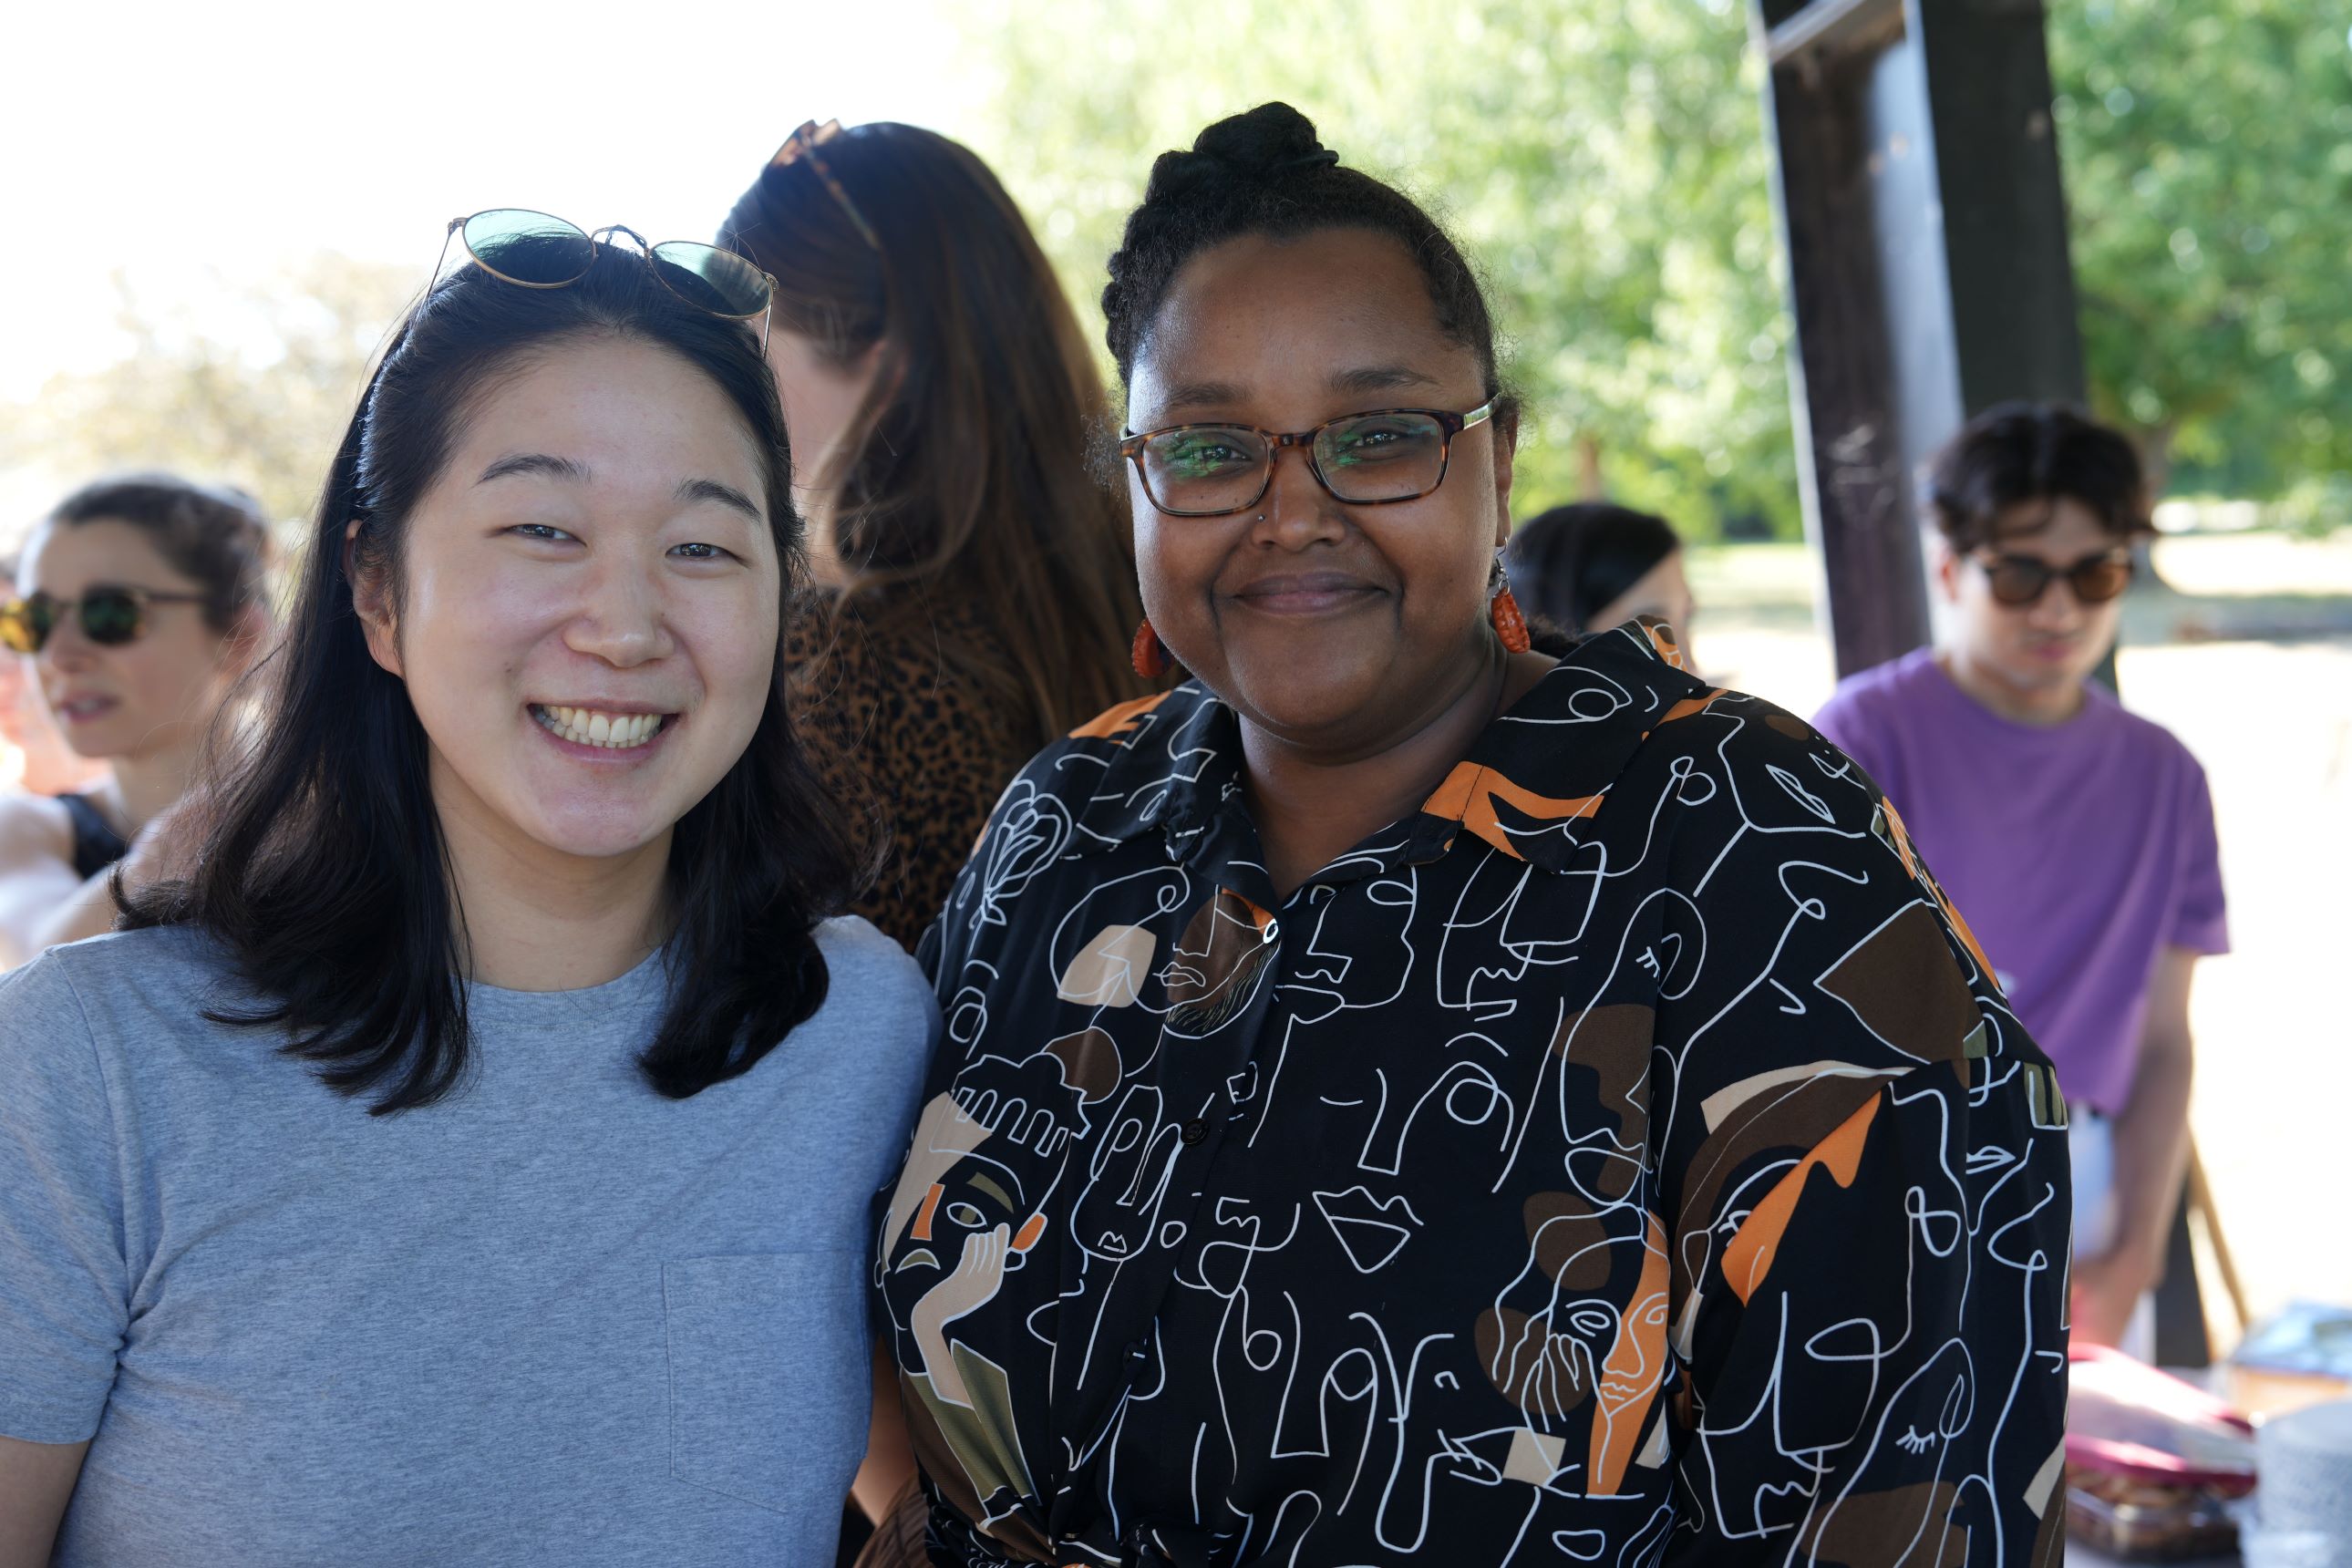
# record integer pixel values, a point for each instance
(216, 536)
(2015, 454)
(324, 873)
(1569, 563)
(1264, 173)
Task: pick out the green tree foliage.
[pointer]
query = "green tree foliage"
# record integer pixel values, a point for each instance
(249, 383)
(1605, 165)
(2207, 154)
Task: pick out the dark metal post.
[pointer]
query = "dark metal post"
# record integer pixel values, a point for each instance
(1924, 221)
(1920, 204)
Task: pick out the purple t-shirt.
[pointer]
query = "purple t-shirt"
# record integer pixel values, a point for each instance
(2077, 852)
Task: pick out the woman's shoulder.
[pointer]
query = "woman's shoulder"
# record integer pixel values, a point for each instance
(162, 978)
(126, 962)
(33, 828)
(873, 986)
(889, 675)
(1779, 770)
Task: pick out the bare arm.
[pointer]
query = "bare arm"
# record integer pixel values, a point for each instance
(36, 1481)
(36, 876)
(160, 852)
(889, 1454)
(2151, 1156)
(88, 910)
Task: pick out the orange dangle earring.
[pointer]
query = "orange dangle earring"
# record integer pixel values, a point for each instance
(1149, 655)
(1503, 610)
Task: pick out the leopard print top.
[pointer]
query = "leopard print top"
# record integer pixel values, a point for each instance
(905, 741)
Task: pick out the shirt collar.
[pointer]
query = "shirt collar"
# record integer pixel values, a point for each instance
(1529, 783)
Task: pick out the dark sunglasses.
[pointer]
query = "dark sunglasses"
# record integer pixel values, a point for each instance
(2020, 580)
(111, 615)
(534, 250)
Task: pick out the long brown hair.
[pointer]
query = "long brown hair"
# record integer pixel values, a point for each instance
(967, 475)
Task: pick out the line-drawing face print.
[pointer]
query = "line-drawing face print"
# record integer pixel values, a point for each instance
(1629, 1148)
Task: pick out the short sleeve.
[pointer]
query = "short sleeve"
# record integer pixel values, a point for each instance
(64, 1283)
(2200, 919)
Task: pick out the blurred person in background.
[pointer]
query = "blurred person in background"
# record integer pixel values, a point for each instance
(975, 579)
(1422, 1091)
(139, 603)
(2076, 836)
(1592, 565)
(36, 758)
(470, 1160)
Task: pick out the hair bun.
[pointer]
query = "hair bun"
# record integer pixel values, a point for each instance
(1269, 141)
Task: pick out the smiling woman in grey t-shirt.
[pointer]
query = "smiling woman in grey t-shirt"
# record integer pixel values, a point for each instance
(468, 1161)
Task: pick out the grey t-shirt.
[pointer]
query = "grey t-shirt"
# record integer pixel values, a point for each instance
(555, 1318)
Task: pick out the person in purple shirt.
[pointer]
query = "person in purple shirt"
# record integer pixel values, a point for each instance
(2075, 836)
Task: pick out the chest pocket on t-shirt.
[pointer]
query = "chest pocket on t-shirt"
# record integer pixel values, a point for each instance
(769, 1373)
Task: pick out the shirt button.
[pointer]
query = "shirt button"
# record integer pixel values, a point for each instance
(1273, 931)
(1195, 1131)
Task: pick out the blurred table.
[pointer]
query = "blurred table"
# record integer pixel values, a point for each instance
(2079, 1555)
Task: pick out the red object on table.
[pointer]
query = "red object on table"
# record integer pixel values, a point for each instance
(2125, 1418)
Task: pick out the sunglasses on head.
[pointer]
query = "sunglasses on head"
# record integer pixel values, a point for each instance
(2020, 580)
(801, 147)
(535, 250)
(111, 615)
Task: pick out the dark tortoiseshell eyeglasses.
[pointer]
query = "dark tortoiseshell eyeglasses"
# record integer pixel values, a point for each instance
(1363, 460)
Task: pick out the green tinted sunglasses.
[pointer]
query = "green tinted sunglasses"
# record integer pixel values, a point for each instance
(535, 250)
(111, 615)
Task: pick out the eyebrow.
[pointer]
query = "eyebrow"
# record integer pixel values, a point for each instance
(689, 492)
(1360, 379)
(725, 495)
(1379, 378)
(534, 463)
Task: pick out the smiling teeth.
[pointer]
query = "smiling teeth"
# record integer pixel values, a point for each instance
(591, 727)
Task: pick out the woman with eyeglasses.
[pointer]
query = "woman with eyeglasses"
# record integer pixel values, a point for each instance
(1413, 1096)
(975, 583)
(469, 1161)
(140, 601)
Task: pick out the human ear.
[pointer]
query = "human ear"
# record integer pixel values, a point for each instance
(1945, 567)
(371, 601)
(1506, 447)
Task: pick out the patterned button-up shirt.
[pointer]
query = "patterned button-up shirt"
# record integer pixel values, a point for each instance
(1626, 1159)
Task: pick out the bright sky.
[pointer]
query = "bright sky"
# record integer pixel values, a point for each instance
(174, 141)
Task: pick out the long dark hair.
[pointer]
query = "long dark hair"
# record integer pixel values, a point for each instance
(968, 474)
(1572, 563)
(324, 870)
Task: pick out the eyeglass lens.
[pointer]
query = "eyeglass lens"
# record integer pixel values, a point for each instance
(109, 617)
(1209, 469)
(529, 248)
(2019, 580)
(718, 281)
(542, 251)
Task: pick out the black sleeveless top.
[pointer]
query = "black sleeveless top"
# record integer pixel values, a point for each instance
(96, 845)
